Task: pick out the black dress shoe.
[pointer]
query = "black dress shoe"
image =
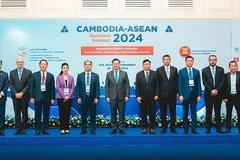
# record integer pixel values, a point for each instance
(228, 131)
(174, 131)
(144, 131)
(163, 131)
(219, 130)
(23, 131)
(18, 131)
(45, 132)
(84, 131)
(93, 131)
(122, 131)
(37, 133)
(185, 131)
(113, 131)
(2, 133)
(152, 131)
(207, 131)
(194, 131)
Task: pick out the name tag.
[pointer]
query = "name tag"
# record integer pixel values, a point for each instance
(66, 91)
(88, 88)
(191, 83)
(43, 87)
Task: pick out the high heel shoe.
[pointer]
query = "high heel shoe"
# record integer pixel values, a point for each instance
(62, 132)
(67, 132)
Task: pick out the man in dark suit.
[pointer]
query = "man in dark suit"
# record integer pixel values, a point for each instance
(167, 80)
(117, 93)
(147, 94)
(213, 80)
(189, 90)
(4, 84)
(88, 91)
(232, 94)
(42, 95)
(19, 85)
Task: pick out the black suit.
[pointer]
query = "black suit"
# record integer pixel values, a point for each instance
(42, 98)
(210, 100)
(167, 94)
(233, 99)
(4, 84)
(147, 91)
(20, 105)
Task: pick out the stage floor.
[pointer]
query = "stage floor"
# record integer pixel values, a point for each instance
(132, 145)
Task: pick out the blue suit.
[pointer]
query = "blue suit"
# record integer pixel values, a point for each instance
(190, 94)
(42, 98)
(88, 100)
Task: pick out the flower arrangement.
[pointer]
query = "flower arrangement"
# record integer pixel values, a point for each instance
(105, 121)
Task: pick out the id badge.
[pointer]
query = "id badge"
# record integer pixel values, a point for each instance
(43, 87)
(66, 91)
(88, 89)
(191, 83)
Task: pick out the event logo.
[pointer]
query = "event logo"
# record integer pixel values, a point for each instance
(236, 59)
(64, 29)
(169, 29)
(236, 49)
(185, 51)
(23, 51)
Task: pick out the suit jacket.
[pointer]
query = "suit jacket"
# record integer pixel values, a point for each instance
(61, 85)
(166, 85)
(4, 84)
(145, 90)
(35, 87)
(227, 85)
(120, 89)
(183, 83)
(208, 80)
(21, 85)
(94, 86)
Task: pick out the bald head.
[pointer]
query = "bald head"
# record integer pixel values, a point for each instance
(20, 62)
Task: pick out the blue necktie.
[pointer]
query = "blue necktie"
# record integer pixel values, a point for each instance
(19, 74)
(88, 84)
(213, 74)
(190, 74)
(88, 79)
(116, 76)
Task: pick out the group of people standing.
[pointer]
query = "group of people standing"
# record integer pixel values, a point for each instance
(165, 84)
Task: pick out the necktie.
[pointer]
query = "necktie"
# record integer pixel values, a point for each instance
(147, 76)
(88, 79)
(190, 74)
(213, 74)
(19, 74)
(168, 75)
(88, 84)
(116, 76)
(43, 78)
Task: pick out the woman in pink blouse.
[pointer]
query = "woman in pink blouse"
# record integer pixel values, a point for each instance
(65, 87)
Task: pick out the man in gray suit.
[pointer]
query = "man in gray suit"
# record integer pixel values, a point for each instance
(4, 84)
(117, 93)
(19, 85)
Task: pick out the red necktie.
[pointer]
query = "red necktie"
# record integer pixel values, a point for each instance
(43, 78)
